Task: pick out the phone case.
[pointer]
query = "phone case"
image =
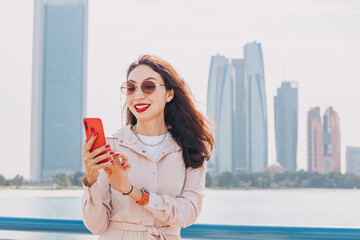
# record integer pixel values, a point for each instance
(94, 125)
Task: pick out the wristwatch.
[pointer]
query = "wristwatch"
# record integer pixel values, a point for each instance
(145, 197)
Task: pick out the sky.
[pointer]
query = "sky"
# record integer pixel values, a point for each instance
(316, 43)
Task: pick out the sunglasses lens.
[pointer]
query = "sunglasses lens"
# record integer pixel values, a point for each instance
(128, 88)
(148, 87)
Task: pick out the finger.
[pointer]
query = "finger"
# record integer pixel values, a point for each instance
(98, 159)
(124, 162)
(99, 150)
(127, 167)
(116, 158)
(124, 159)
(105, 166)
(88, 145)
(107, 170)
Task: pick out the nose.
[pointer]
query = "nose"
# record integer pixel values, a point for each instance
(138, 94)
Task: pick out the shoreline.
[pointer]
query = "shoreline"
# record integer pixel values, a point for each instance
(40, 193)
(6, 192)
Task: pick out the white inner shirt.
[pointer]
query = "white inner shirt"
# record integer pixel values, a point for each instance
(153, 151)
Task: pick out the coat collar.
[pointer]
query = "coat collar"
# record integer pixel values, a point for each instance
(127, 138)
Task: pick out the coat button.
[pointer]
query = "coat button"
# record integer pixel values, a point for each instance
(121, 141)
(144, 151)
(163, 153)
(153, 174)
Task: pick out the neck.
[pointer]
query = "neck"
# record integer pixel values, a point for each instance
(155, 128)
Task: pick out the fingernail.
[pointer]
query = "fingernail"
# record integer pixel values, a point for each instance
(117, 154)
(95, 135)
(107, 145)
(112, 161)
(111, 153)
(122, 164)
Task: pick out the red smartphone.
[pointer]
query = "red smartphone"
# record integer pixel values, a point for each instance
(94, 125)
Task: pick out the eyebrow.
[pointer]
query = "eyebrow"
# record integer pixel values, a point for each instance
(130, 80)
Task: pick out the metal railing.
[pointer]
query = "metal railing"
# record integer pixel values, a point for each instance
(196, 231)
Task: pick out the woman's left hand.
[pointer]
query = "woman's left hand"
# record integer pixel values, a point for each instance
(118, 178)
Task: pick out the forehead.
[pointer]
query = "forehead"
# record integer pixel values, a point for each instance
(143, 72)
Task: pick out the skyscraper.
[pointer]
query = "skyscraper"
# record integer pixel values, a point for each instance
(315, 141)
(237, 106)
(257, 114)
(221, 82)
(331, 140)
(286, 124)
(240, 119)
(353, 160)
(58, 88)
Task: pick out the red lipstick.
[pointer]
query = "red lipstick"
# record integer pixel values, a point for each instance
(141, 107)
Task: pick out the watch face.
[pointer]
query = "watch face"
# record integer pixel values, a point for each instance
(145, 191)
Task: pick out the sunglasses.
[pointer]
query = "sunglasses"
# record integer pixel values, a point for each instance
(148, 87)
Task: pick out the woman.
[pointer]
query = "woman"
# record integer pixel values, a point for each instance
(155, 183)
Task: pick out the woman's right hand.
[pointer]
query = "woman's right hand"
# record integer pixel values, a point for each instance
(91, 160)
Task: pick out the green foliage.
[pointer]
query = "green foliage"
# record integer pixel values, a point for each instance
(2, 180)
(209, 180)
(62, 180)
(76, 179)
(18, 181)
(227, 180)
(300, 179)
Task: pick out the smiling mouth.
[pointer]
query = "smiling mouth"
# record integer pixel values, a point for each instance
(141, 107)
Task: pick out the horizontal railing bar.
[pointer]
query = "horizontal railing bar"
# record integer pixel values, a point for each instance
(196, 231)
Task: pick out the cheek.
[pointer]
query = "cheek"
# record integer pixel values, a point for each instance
(161, 100)
(128, 100)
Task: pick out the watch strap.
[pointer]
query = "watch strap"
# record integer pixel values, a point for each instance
(145, 197)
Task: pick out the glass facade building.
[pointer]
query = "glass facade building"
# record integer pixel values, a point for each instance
(315, 141)
(59, 87)
(286, 124)
(237, 106)
(331, 140)
(353, 160)
(257, 137)
(221, 82)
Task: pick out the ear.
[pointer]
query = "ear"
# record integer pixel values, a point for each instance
(169, 95)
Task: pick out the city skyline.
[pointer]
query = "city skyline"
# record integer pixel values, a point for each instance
(311, 42)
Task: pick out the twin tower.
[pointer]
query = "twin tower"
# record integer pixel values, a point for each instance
(236, 104)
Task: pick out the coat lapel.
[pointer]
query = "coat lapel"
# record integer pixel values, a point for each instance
(127, 138)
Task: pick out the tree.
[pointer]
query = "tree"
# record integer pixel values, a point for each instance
(76, 179)
(2, 180)
(227, 179)
(209, 181)
(62, 180)
(18, 180)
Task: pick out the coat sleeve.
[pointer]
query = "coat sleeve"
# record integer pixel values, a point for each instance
(96, 203)
(181, 211)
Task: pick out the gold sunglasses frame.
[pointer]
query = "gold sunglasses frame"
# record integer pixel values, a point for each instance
(124, 87)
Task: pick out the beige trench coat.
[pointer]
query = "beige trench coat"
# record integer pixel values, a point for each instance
(175, 201)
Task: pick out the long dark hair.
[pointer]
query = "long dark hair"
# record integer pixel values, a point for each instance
(190, 129)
